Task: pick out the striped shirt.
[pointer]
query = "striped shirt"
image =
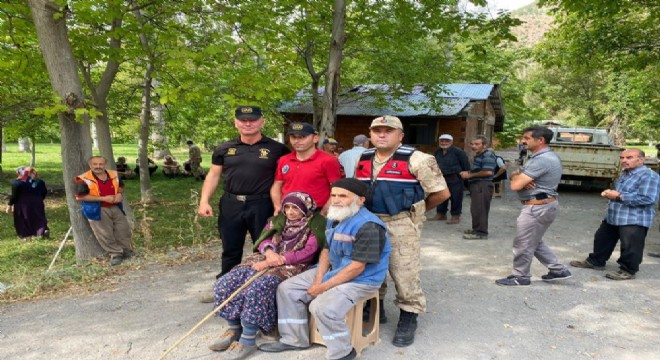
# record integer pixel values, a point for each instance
(638, 189)
(484, 161)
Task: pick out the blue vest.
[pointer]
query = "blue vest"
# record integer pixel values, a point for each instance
(340, 242)
(395, 188)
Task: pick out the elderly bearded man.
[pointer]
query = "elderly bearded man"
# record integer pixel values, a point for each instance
(352, 266)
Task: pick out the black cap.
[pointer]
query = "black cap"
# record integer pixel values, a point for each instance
(301, 128)
(248, 113)
(353, 185)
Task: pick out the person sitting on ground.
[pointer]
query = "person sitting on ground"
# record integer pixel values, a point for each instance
(152, 166)
(352, 267)
(187, 171)
(171, 167)
(123, 170)
(287, 246)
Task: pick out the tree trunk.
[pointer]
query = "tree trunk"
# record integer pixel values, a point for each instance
(327, 127)
(317, 103)
(3, 149)
(95, 138)
(76, 141)
(615, 131)
(33, 155)
(24, 144)
(146, 193)
(158, 131)
(102, 89)
(104, 138)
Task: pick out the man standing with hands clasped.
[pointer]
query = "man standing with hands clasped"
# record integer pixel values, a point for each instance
(452, 160)
(480, 178)
(630, 212)
(404, 183)
(100, 192)
(536, 184)
(248, 164)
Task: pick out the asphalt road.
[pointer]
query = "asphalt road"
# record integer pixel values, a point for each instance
(588, 316)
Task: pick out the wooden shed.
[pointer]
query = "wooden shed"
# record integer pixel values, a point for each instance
(462, 110)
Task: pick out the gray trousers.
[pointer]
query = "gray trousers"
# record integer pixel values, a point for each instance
(481, 193)
(329, 309)
(113, 231)
(532, 223)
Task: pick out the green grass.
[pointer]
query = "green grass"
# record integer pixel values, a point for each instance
(648, 150)
(170, 223)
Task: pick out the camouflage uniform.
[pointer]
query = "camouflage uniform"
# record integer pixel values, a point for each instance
(195, 155)
(405, 229)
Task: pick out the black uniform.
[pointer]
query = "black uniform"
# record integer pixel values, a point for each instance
(249, 173)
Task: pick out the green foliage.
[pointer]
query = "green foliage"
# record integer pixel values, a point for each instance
(162, 227)
(24, 84)
(601, 65)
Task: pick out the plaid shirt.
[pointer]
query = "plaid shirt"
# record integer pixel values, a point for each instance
(639, 189)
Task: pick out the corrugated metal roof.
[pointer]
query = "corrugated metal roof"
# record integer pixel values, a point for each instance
(375, 100)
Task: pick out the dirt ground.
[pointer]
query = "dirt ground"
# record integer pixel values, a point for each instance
(468, 317)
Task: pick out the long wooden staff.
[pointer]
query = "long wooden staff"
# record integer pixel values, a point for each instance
(250, 280)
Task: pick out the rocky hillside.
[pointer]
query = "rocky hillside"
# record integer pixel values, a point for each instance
(536, 22)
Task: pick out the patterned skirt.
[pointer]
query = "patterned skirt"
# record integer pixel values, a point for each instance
(255, 304)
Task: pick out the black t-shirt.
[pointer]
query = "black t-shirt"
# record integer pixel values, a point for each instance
(369, 243)
(249, 169)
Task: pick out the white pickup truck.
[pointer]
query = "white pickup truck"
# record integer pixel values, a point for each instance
(587, 155)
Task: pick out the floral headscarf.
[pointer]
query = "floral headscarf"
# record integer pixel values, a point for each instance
(23, 173)
(295, 232)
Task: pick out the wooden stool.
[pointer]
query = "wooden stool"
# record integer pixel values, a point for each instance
(363, 334)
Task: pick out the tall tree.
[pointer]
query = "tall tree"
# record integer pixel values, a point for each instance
(334, 68)
(50, 23)
(146, 191)
(615, 48)
(100, 45)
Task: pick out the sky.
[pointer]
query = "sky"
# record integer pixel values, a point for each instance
(509, 4)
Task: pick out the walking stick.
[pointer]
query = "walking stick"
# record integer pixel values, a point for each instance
(250, 280)
(60, 249)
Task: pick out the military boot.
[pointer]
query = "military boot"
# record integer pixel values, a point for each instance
(382, 319)
(405, 329)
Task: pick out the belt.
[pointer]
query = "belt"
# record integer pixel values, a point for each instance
(539, 202)
(451, 175)
(245, 198)
(387, 217)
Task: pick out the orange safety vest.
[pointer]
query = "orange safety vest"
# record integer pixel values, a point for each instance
(90, 180)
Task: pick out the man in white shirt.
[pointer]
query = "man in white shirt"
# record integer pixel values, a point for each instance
(349, 158)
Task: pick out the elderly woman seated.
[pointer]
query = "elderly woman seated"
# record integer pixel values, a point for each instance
(289, 244)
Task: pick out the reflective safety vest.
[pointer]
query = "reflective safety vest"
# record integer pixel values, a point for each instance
(395, 189)
(92, 209)
(340, 242)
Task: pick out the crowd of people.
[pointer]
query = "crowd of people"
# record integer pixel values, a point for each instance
(171, 167)
(328, 226)
(375, 200)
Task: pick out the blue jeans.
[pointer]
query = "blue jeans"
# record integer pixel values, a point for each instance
(632, 245)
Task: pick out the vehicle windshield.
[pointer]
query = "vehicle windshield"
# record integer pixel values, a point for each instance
(574, 136)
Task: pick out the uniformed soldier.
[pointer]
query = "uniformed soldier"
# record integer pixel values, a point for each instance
(248, 164)
(171, 167)
(404, 184)
(195, 159)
